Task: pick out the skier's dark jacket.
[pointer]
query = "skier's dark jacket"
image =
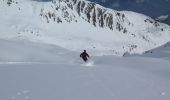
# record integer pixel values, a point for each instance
(84, 55)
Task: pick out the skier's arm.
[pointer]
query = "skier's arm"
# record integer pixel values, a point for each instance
(88, 56)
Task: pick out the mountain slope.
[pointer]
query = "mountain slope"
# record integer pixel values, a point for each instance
(161, 52)
(78, 25)
(33, 71)
(152, 8)
(26, 51)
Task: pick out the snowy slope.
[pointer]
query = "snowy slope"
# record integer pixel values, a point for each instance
(40, 43)
(78, 25)
(26, 51)
(162, 52)
(34, 71)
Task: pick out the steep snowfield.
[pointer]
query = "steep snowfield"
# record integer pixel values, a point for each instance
(78, 25)
(34, 71)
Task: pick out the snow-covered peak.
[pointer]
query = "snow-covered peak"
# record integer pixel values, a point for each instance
(80, 24)
(162, 18)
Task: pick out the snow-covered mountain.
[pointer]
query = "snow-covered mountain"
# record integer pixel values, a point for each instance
(80, 24)
(153, 8)
(163, 19)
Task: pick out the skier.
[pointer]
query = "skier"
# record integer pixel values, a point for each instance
(84, 56)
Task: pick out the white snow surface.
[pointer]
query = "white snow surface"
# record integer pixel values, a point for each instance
(33, 71)
(162, 52)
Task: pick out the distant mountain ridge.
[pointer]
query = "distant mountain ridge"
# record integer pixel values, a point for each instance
(152, 8)
(80, 24)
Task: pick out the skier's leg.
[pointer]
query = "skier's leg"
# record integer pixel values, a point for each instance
(85, 59)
